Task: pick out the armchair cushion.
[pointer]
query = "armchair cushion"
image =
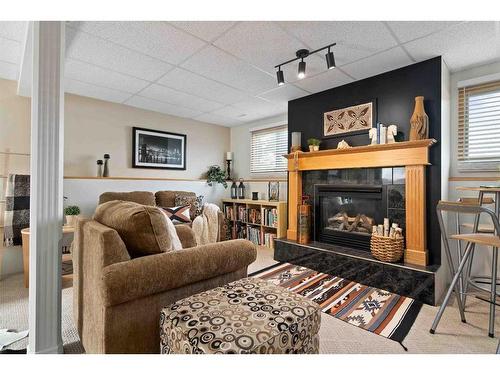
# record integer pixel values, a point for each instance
(146, 198)
(186, 236)
(143, 229)
(145, 276)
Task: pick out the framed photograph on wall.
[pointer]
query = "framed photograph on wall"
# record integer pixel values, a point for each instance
(158, 149)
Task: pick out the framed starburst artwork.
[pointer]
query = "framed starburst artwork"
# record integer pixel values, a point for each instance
(354, 119)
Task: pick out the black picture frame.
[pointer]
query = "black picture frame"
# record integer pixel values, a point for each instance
(159, 149)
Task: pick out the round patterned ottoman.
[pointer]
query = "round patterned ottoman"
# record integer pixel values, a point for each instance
(246, 316)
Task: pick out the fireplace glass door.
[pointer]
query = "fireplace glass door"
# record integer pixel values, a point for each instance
(345, 214)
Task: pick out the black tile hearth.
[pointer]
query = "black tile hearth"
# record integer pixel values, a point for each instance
(357, 265)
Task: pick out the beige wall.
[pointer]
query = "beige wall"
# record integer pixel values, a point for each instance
(95, 127)
(240, 145)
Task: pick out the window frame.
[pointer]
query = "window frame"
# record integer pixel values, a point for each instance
(464, 164)
(268, 174)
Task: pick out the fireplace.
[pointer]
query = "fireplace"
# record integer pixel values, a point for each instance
(344, 214)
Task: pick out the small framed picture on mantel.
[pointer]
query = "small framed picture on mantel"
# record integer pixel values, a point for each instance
(158, 149)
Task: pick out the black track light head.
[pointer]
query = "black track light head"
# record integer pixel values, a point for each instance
(330, 59)
(280, 77)
(302, 69)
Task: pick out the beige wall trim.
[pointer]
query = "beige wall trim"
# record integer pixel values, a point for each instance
(474, 178)
(132, 178)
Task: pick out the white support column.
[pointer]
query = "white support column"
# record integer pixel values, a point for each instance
(46, 202)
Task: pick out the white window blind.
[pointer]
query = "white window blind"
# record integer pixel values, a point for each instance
(267, 149)
(479, 127)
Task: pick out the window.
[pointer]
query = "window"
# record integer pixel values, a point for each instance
(267, 149)
(479, 127)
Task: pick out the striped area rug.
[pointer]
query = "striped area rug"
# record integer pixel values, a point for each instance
(383, 313)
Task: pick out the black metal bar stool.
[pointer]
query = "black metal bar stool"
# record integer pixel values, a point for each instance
(490, 240)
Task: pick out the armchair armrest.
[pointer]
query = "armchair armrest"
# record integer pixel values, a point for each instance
(141, 277)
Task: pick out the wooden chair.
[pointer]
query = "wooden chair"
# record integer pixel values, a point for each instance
(488, 239)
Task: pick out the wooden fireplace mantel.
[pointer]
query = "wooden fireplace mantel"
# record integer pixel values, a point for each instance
(413, 155)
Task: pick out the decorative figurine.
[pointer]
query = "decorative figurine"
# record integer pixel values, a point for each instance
(419, 121)
(343, 144)
(99, 168)
(105, 172)
(392, 131)
(373, 136)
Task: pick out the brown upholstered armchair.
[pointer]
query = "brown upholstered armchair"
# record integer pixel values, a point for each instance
(117, 298)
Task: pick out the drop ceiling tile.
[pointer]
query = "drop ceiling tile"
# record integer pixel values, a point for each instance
(81, 71)
(8, 71)
(85, 89)
(162, 107)
(14, 30)
(257, 105)
(263, 44)
(10, 51)
(214, 63)
(462, 46)
(206, 30)
(251, 109)
(324, 81)
(355, 39)
(283, 93)
(85, 47)
(168, 95)
(410, 30)
(195, 84)
(379, 63)
(153, 38)
(218, 120)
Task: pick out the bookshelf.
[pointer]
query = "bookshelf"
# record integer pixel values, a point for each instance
(258, 221)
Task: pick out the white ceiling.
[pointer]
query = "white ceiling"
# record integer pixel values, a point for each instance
(223, 72)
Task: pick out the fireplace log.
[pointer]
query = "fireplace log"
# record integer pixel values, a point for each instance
(359, 223)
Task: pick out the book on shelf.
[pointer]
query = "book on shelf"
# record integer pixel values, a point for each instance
(269, 239)
(242, 213)
(229, 212)
(270, 217)
(254, 216)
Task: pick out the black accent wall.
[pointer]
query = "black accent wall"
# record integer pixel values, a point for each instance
(394, 94)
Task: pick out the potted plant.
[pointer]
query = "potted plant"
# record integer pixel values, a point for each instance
(313, 144)
(217, 175)
(71, 213)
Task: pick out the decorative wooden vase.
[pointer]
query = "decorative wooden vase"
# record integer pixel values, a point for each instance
(419, 121)
(303, 223)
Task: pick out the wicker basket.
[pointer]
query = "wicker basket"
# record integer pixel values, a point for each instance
(386, 249)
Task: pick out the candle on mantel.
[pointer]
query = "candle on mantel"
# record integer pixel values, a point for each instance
(229, 155)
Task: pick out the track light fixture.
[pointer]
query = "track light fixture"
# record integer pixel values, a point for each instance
(302, 69)
(330, 59)
(301, 55)
(280, 76)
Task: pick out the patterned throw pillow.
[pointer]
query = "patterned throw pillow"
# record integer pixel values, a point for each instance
(195, 203)
(179, 214)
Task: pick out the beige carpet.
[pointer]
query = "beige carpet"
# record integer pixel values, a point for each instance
(452, 336)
